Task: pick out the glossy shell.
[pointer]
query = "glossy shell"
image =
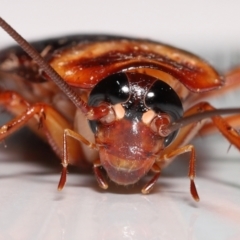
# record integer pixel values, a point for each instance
(161, 81)
(84, 60)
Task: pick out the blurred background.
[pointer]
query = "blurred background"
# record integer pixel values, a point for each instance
(188, 24)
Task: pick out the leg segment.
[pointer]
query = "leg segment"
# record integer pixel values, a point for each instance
(40, 114)
(190, 131)
(210, 127)
(149, 186)
(186, 134)
(65, 158)
(192, 171)
(99, 176)
(223, 126)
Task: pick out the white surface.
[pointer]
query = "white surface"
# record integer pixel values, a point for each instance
(187, 24)
(31, 208)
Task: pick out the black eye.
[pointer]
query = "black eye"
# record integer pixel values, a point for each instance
(163, 99)
(112, 89)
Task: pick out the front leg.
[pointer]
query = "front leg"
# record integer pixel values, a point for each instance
(191, 172)
(149, 186)
(102, 182)
(43, 116)
(67, 136)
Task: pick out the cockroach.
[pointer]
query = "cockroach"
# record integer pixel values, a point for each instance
(125, 105)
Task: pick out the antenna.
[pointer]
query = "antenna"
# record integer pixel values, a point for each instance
(198, 117)
(90, 112)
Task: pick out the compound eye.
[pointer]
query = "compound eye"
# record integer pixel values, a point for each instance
(161, 98)
(113, 90)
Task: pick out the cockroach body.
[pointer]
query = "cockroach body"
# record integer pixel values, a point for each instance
(127, 105)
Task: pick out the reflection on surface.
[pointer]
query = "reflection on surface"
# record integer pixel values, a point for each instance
(32, 208)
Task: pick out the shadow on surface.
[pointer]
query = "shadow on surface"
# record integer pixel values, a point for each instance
(28, 147)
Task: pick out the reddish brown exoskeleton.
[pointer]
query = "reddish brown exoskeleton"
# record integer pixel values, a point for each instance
(127, 105)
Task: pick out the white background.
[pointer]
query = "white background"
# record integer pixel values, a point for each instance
(31, 208)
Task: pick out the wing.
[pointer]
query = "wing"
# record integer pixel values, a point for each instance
(83, 60)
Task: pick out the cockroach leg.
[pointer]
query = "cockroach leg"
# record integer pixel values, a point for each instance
(52, 122)
(191, 172)
(149, 186)
(63, 178)
(222, 125)
(210, 128)
(10, 101)
(102, 182)
(76, 136)
(65, 159)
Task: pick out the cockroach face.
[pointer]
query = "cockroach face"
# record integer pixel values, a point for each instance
(132, 134)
